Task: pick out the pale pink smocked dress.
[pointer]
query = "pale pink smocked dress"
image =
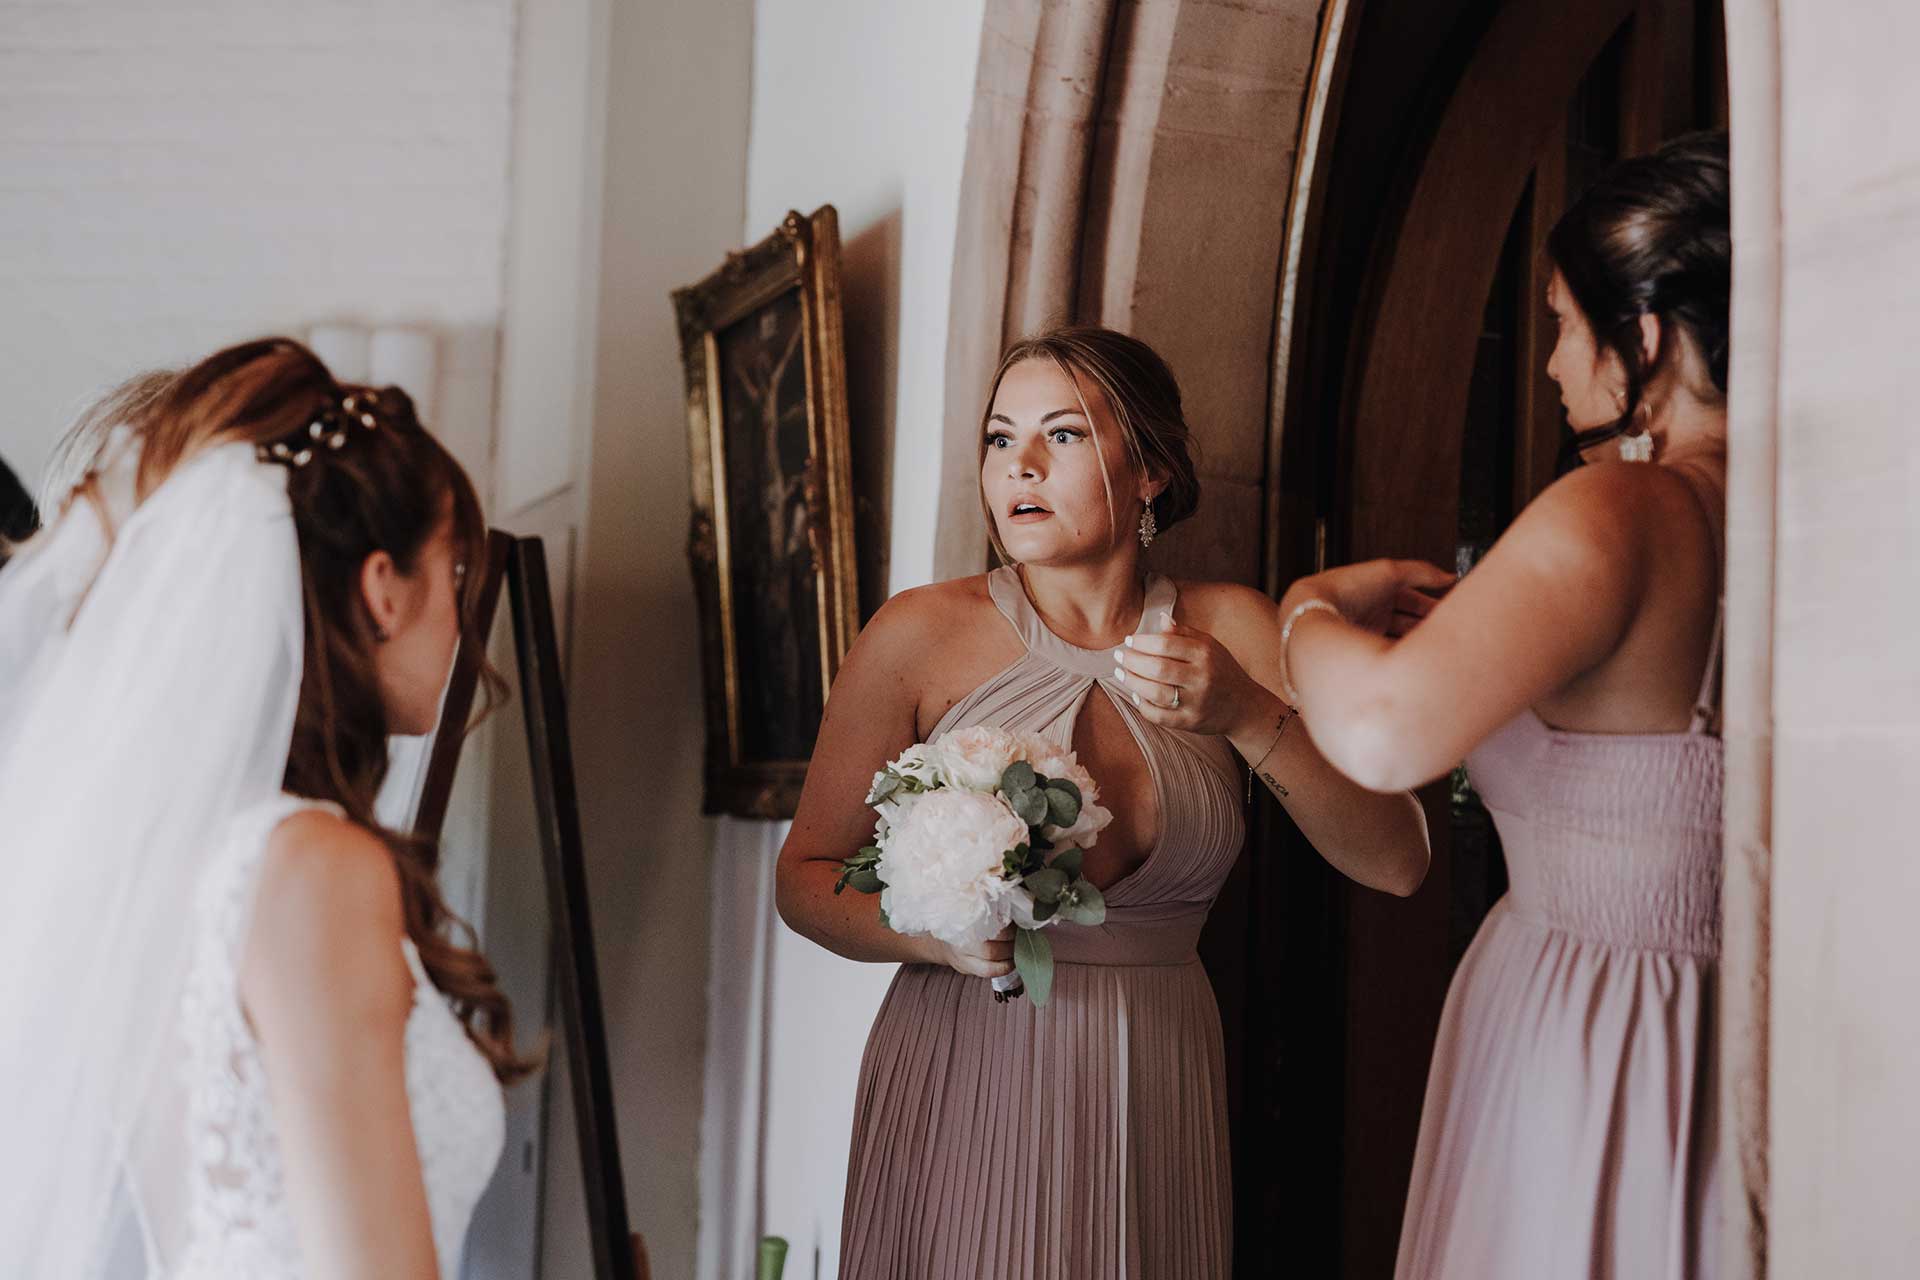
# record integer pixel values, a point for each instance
(1086, 1140)
(1569, 1129)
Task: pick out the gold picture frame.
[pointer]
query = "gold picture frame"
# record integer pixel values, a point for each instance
(771, 541)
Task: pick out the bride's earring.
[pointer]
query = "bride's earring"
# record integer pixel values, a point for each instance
(1639, 448)
(1149, 529)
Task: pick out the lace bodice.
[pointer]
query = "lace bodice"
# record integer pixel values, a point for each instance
(239, 1223)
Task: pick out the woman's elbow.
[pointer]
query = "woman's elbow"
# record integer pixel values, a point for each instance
(1416, 848)
(787, 893)
(1371, 748)
(1408, 876)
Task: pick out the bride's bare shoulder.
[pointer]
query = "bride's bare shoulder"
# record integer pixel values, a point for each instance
(327, 917)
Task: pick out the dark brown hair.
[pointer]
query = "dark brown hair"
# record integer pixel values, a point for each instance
(1141, 395)
(1652, 237)
(386, 489)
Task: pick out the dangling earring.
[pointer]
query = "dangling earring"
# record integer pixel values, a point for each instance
(1639, 448)
(1149, 528)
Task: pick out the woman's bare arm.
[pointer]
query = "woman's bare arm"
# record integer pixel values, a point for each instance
(1552, 600)
(869, 719)
(328, 992)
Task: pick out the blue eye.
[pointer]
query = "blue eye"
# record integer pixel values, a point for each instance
(1070, 433)
(998, 440)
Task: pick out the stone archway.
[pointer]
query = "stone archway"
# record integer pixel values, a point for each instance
(1125, 164)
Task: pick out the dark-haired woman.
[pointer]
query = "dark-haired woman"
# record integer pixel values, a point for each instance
(1086, 1140)
(1569, 1122)
(263, 1042)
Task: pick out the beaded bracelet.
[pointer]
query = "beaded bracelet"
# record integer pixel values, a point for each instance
(1286, 637)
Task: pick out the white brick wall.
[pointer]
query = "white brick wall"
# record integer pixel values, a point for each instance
(175, 176)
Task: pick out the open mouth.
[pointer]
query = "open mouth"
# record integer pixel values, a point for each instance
(1025, 511)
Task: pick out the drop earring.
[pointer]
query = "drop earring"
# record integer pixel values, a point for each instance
(1149, 528)
(1639, 448)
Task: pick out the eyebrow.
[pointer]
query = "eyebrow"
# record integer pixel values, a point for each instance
(1057, 413)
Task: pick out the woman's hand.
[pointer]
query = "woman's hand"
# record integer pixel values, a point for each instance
(1185, 679)
(1386, 597)
(990, 959)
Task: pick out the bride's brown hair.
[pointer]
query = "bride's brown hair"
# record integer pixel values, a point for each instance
(386, 487)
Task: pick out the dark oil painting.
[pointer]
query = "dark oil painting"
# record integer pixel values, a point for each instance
(776, 612)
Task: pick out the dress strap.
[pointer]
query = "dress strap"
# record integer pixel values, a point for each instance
(1010, 597)
(1706, 704)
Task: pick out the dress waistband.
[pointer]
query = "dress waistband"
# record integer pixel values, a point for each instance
(1163, 933)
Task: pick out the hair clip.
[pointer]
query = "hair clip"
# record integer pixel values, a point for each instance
(329, 426)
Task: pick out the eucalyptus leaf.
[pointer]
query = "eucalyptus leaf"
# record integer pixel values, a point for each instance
(1032, 808)
(1019, 776)
(886, 921)
(1062, 784)
(867, 880)
(1063, 806)
(1082, 903)
(1033, 960)
(1044, 911)
(1046, 884)
(1068, 861)
(888, 785)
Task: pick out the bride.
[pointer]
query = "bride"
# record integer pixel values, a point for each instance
(240, 1042)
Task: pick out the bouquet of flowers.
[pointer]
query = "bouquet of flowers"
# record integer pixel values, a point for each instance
(980, 829)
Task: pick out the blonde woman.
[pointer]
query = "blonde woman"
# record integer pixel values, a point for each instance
(1087, 1139)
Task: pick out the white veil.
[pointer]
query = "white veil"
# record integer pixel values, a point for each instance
(149, 675)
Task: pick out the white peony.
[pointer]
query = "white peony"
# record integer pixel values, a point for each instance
(942, 864)
(975, 758)
(1051, 760)
(921, 763)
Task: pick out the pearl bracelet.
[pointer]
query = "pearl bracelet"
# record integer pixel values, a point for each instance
(1286, 637)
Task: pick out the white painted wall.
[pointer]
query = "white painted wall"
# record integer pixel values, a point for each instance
(861, 104)
(174, 178)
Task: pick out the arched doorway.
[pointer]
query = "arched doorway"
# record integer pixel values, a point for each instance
(1414, 419)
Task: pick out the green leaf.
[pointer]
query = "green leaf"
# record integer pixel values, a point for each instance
(1032, 808)
(1033, 960)
(1061, 784)
(1043, 911)
(889, 784)
(1046, 884)
(866, 880)
(1019, 776)
(1068, 860)
(885, 921)
(1063, 804)
(1083, 904)
(861, 862)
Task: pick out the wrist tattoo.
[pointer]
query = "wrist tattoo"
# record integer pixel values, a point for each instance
(1266, 775)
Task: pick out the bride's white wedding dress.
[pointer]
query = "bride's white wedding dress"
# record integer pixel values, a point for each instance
(239, 1224)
